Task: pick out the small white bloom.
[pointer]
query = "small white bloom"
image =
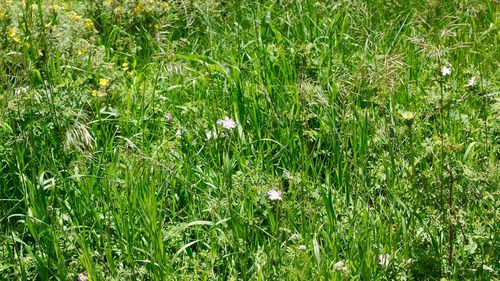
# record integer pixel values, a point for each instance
(211, 135)
(274, 195)
(445, 70)
(383, 260)
(178, 133)
(227, 123)
(340, 266)
(471, 82)
(407, 115)
(302, 248)
(84, 276)
(21, 90)
(296, 237)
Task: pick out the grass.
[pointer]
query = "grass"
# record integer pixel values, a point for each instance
(114, 165)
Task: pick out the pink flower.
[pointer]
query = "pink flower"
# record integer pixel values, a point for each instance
(471, 82)
(168, 116)
(227, 123)
(274, 195)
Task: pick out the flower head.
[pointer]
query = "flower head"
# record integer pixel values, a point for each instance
(88, 24)
(445, 70)
(103, 82)
(407, 115)
(471, 82)
(383, 260)
(168, 116)
(178, 133)
(340, 266)
(274, 195)
(227, 123)
(302, 248)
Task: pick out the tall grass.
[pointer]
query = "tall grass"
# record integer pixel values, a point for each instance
(115, 165)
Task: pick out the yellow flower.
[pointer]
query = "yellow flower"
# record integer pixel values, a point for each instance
(138, 9)
(103, 82)
(11, 32)
(108, 1)
(125, 66)
(56, 8)
(74, 16)
(98, 94)
(88, 24)
(166, 7)
(82, 51)
(2, 15)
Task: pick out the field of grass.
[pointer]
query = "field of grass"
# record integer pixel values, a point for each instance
(249, 140)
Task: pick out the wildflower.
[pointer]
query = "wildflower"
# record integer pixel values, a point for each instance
(274, 195)
(296, 237)
(21, 90)
(88, 24)
(103, 82)
(84, 276)
(98, 94)
(471, 82)
(302, 248)
(178, 133)
(168, 116)
(409, 261)
(211, 135)
(227, 123)
(138, 9)
(12, 32)
(56, 8)
(2, 15)
(383, 260)
(125, 66)
(445, 70)
(407, 115)
(74, 16)
(82, 51)
(340, 266)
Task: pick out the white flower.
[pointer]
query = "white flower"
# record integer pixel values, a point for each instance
(84, 276)
(407, 115)
(471, 82)
(383, 260)
(178, 133)
(227, 123)
(21, 90)
(302, 248)
(445, 70)
(340, 266)
(409, 261)
(211, 135)
(274, 195)
(296, 237)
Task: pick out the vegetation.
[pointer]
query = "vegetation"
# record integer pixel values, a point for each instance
(249, 140)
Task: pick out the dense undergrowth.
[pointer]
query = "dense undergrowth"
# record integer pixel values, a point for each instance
(378, 121)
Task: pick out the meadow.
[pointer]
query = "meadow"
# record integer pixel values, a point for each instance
(249, 140)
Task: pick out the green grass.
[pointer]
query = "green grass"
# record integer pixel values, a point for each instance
(341, 105)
